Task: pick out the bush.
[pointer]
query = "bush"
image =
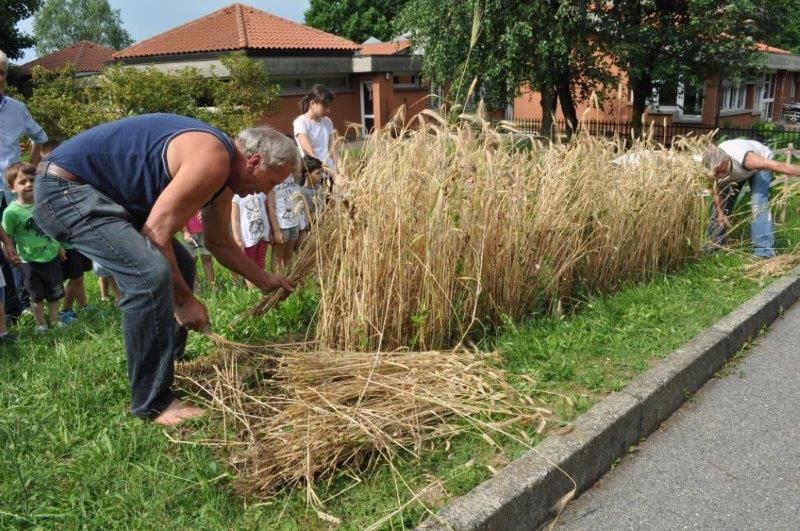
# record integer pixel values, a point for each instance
(65, 105)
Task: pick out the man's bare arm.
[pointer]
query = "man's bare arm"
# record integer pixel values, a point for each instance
(716, 197)
(36, 154)
(196, 180)
(753, 161)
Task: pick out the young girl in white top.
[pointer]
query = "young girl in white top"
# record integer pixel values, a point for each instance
(284, 204)
(250, 226)
(313, 130)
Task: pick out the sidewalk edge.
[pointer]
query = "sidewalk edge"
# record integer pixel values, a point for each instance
(523, 495)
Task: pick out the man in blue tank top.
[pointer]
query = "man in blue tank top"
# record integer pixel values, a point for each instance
(120, 192)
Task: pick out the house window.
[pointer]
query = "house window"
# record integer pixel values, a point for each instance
(734, 97)
(687, 101)
(332, 83)
(301, 85)
(287, 84)
(407, 81)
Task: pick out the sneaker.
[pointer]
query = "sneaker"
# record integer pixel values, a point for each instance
(67, 317)
(9, 337)
(41, 329)
(27, 311)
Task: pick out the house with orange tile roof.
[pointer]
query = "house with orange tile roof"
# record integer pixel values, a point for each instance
(716, 102)
(370, 81)
(87, 57)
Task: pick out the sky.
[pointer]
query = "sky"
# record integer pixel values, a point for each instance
(145, 18)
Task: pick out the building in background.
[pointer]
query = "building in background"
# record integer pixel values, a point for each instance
(717, 103)
(87, 57)
(371, 81)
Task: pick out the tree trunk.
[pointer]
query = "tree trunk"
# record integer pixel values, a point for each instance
(564, 89)
(642, 89)
(549, 103)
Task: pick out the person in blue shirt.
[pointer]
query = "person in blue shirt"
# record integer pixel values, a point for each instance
(119, 193)
(15, 122)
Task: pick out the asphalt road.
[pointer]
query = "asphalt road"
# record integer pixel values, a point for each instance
(728, 459)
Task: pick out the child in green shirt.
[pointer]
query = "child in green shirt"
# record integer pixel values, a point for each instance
(40, 254)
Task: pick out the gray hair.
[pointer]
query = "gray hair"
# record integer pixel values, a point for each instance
(714, 157)
(275, 148)
(3, 58)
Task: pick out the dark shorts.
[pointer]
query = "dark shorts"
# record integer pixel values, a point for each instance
(75, 265)
(44, 281)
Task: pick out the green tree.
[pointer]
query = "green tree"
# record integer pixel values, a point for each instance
(64, 105)
(776, 22)
(356, 20)
(502, 47)
(232, 100)
(60, 23)
(131, 90)
(661, 44)
(12, 40)
(242, 97)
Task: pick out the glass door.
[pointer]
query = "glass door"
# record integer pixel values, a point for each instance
(767, 96)
(367, 107)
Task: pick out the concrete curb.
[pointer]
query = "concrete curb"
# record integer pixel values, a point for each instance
(524, 493)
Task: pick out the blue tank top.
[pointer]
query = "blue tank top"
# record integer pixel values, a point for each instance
(127, 159)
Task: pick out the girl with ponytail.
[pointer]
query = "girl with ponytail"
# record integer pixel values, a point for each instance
(313, 131)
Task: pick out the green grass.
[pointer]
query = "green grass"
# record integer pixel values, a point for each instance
(72, 456)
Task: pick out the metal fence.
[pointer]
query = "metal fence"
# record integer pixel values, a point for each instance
(770, 134)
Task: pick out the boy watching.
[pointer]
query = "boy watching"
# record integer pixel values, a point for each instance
(40, 254)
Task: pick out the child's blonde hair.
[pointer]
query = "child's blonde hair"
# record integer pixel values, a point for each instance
(16, 169)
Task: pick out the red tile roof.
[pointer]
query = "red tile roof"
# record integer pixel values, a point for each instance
(761, 47)
(386, 48)
(237, 27)
(86, 56)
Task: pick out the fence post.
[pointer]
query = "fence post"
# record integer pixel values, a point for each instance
(789, 151)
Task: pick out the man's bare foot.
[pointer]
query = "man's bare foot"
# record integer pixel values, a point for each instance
(177, 412)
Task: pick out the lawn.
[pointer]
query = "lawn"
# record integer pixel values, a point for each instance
(73, 457)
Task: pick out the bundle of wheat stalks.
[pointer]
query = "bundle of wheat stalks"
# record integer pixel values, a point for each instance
(446, 227)
(301, 414)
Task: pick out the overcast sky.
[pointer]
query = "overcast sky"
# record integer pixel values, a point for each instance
(145, 18)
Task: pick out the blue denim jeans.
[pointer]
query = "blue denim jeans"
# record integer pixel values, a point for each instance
(19, 285)
(761, 227)
(101, 229)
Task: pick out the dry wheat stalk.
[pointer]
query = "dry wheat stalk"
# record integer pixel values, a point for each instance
(320, 411)
(451, 226)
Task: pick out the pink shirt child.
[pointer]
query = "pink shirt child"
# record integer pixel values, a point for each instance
(194, 225)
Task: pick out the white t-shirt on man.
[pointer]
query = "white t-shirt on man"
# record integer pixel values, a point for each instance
(253, 218)
(319, 134)
(737, 149)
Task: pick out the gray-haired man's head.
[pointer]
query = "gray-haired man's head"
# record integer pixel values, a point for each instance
(275, 148)
(717, 161)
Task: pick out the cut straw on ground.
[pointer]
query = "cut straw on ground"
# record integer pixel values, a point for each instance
(434, 235)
